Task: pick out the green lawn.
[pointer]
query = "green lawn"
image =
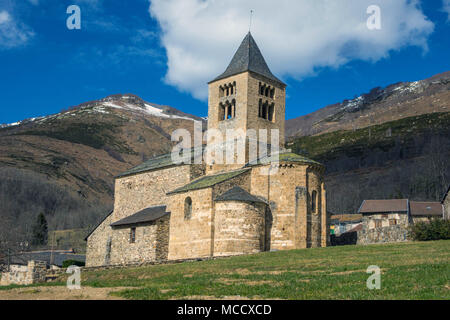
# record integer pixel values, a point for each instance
(409, 271)
(415, 270)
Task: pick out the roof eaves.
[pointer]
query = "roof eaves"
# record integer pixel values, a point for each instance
(187, 188)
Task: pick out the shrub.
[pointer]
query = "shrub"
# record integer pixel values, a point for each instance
(435, 229)
(69, 263)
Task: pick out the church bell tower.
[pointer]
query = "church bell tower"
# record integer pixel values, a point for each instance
(247, 95)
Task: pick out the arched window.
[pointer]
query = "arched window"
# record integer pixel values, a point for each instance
(260, 109)
(222, 112)
(271, 111)
(233, 103)
(264, 110)
(187, 208)
(267, 91)
(262, 89)
(229, 110)
(314, 201)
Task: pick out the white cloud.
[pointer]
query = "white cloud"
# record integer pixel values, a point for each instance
(446, 8)
(296, 37)
(12, 32)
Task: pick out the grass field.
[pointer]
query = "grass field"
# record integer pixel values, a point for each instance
(409, 271)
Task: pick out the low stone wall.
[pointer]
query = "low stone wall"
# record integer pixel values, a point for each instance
(395, 233)
(34, 272)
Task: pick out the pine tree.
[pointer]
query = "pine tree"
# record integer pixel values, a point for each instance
(40, 230)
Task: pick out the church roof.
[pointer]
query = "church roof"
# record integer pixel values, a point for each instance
(238, 194)
(209, 181)
(248, 58)
(158, 162)
(284, 157)
(147, 215)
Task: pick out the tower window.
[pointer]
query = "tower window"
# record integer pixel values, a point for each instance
(188, 208)
(264, 111)
(260, 108)
(271, 112)
(132, 235)
(262, 89)
(314, 201)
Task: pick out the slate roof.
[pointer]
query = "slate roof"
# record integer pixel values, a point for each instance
(238, 194)
(209, 181)
(426, 209)
(384, 206)
(248, 58)
(284, 157)
(158, 162)
(343, 218)
(147, 215)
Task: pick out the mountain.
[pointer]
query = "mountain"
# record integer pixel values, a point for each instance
(64, 164)
(389, 143)
(380, 105)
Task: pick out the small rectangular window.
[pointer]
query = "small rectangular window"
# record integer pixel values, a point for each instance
(133, 235)
(377, 223)
(392, 222)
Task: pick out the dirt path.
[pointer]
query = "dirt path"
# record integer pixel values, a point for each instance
(59, 293)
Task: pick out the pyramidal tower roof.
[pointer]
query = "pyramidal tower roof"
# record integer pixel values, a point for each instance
(248, 58)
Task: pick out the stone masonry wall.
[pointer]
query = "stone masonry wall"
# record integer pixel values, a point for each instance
(98, 244)
(191, 238)
(288, 192)
(239, 228)
(370, 233)
(140, 191)
(151, 243)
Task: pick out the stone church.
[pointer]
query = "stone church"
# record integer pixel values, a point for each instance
(169, 211)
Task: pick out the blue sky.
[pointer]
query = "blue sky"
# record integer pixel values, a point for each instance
(131, 47)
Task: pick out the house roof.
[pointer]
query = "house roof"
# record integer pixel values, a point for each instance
(248, 57)
(446, 195)
(238, 194)
(209, 181)
(346, 217)
(425, 208)
(158, 162)
(284, 157)
(385, 206)
(147, 215)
